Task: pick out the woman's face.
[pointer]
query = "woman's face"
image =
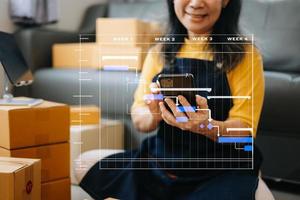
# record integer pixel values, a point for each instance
(199, 16)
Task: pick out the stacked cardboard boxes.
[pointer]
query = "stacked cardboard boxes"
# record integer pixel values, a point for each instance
(121, 44)
(40, 132)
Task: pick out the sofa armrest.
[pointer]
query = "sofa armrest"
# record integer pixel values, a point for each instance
(36, 44)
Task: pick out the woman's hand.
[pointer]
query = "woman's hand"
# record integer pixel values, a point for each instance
(153, 103)
(147, 118)
(190, 120)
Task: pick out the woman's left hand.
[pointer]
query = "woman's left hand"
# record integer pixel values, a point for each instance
(189, 120)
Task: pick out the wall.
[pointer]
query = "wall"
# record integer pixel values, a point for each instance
(5, 23)
(71, 13)
(7, 26)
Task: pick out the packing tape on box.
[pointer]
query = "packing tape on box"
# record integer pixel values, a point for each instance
(45, 175)
(42, 115)
(28, 181)
(43, 152)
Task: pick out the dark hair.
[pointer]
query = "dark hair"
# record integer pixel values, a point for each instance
(226, 24)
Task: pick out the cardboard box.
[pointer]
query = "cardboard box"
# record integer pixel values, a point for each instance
(57, 190)
(55, 159)
(127, 31)
(20, 179)
(73, 55)
(85, 115)
(120, 57)
(23, 126)
(112, 134)
(110, 57)
(109, 135)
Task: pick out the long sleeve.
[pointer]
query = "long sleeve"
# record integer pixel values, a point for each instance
(247, 79)
(152, 66)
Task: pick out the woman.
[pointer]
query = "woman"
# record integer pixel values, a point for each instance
(174, 164)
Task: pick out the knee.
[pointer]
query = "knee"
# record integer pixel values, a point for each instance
(83, 163)
(263, 192)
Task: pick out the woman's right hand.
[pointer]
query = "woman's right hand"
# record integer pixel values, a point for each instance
(153, 103)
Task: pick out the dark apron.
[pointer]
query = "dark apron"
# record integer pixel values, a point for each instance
(176, 164)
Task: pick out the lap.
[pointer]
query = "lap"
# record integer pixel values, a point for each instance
(117, 183)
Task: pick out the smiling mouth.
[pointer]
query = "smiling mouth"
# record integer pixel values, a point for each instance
(197, 16)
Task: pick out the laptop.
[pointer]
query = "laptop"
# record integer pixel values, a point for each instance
(16, 70)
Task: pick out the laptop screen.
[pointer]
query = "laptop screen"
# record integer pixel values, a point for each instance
(13, 61)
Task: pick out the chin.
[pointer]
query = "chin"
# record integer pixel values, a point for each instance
(199, 31)
(197, 28)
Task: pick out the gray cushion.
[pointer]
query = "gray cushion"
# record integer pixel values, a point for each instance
(107, 89)
(276, 27)
(281, 160)
(88, 24)
(281, 109)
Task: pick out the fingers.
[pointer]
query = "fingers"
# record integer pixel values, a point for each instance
(153, 99)
(171, 120)
(166, 115)
(174, 108)
(189, 112)
(201, 102)
(188, 109)
(153, 106)
(153, 88)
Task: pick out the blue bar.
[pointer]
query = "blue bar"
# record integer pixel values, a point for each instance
(235, 139)
(115, 68)
(153, 97)
(186, 108)
(182, 119)
(248, 148)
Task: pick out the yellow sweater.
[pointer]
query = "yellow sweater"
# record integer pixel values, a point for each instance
(244, 80)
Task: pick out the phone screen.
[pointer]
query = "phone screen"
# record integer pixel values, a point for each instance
(173, 85)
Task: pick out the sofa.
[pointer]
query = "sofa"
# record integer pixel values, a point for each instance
(275, 25)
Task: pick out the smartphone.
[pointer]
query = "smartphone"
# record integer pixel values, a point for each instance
(173, 85)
